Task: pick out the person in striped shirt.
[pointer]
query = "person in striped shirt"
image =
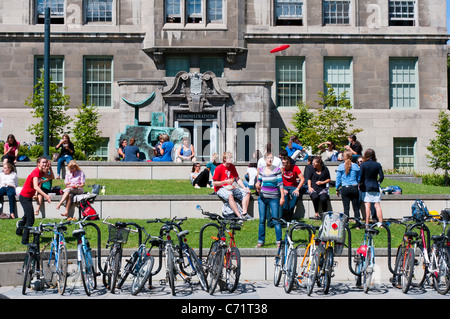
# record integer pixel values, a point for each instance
(270, 186)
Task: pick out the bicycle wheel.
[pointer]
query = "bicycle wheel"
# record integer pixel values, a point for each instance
(216, 269)
(87, 272)
(407, 270)
(441, 277)
(48, 266)
(170, 271)
(117, 260)
(328, 269)
(367, 273)
(290, 273)
(129, 267)
(207, 265)
(279, 263)
(142, 275)
(61, 274)
(420, 268)
(28, 272)
(312, 272)
(197, 267)
(232, 268)
(397, 279)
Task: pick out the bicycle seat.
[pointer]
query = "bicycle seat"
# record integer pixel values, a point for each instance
(62, 228)
(235, 227)
(78, 232)
(411, 234)
(372, 231)
(121, 224)
(438, 238)
(183, 233)
(35, 231)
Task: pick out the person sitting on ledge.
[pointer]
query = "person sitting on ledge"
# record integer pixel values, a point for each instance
(199, 179)
(166, 150)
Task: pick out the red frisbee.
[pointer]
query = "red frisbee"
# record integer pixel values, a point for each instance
(280, 48)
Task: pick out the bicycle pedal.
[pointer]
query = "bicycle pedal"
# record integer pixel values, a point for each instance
(162, 282)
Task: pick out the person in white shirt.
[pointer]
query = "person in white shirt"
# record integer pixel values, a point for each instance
(8, 184)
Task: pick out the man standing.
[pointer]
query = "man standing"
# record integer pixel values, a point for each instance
(225, 175)
(29, 189)
(292, 186)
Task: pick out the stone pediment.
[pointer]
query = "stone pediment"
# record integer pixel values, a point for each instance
(195, 90)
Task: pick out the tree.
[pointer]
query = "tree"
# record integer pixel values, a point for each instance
(58, 105)
(87, 137)
(331, 122)
(440, 146)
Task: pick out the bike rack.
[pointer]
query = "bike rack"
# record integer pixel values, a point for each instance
(99, 247)
(200, 243)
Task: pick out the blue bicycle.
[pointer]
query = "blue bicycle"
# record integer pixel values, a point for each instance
(54, 258)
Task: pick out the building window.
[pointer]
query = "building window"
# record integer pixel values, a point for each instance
(289, 12)
(99, 10)
(338, 73)
(336, 12)
(56, 11)
(212, 64)
(402, 13)
(194, 11)
(98, 81)
(102, 151)
(404, 153)
(176, 64)
(403, 82)
(290, 79)
(215, 11)
(56, 71)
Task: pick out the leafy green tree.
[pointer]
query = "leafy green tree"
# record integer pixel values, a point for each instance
(331, 122)
(58, 105)
(440, 146)
(87, 137)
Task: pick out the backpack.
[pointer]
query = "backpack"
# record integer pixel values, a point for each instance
(396, 190)
(419, 211)
(87, 210)
(333, 227)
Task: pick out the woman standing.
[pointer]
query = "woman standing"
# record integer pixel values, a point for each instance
(270, 185)
(371, 178)
(74, 182)
(10, 150)
(318, 179)
(347, 179)
(66, 154)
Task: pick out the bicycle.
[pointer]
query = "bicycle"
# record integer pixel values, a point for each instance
(117, 237)
(54, 257)
(139, 266)
(85, 261)
(31, 267)
(406, 257)
(179, 257)
(286, 257)
(222, 255)
(310, 260)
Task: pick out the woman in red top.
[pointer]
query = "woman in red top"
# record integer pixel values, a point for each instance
(10, 150)
(29, 189)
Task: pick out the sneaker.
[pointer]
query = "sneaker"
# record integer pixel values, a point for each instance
(246, 217)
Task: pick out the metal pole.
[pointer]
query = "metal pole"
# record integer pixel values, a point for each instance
(46, 82)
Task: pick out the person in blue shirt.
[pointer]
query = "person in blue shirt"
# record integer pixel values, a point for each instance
(131, 152)
(295, 150)
(165, 151)
(348, 176)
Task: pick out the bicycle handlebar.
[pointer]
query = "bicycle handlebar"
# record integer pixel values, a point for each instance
(120, 225)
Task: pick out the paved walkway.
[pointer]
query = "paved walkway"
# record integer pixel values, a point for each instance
(246, 291)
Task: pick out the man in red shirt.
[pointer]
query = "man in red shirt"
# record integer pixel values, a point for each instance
(290, 174)
(29, 189)
(224, 177)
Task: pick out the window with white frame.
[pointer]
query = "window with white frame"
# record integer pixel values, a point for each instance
(57, 11)
(403, 83)
(404, 152)
(290, 79)
(288, 12)
(402, 13)
(56, 70)
(98, 80)
(194, 11)
(338, 73)
(336, 12)
(99, 10)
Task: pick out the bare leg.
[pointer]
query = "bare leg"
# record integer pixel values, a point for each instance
(379, 212)
(245, 203)
(69, 201)
(367, 206)
(40, 199)
(63, 199)
(233, 205)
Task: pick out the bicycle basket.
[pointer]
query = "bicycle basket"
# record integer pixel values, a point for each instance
(419, 211)
(333, 227)
(117, 235)
(445, 214)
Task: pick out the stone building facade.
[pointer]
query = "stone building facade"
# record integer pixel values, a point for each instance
(210, 66)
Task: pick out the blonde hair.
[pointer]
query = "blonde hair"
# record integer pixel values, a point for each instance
(348, 161)
(72, 163)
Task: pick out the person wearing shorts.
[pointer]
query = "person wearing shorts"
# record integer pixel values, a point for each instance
(225, 175)
(371, 178)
